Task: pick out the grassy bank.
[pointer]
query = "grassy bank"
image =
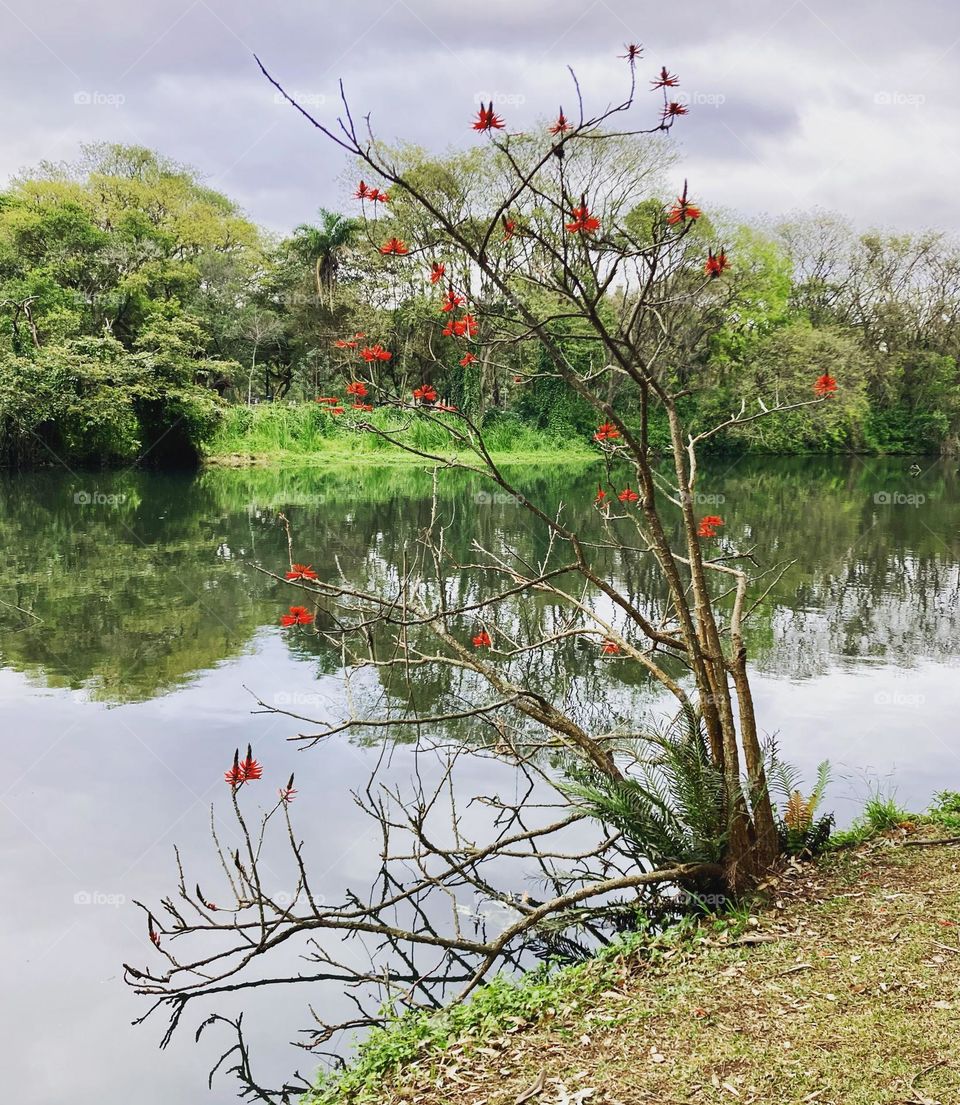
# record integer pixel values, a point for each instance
(306, 433)
(843, 987)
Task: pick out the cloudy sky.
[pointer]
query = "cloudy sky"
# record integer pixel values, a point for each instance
(794, 104)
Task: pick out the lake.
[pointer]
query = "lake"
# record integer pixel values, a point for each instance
(134, 631)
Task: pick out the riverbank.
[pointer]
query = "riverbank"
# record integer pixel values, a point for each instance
(844, 989)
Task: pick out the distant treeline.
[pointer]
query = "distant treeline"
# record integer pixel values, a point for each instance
(137, 305)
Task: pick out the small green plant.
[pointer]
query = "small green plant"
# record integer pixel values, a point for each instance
(881, 814)
(945, 810)
(802, 833)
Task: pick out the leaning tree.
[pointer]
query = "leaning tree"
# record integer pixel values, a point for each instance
(552, 259)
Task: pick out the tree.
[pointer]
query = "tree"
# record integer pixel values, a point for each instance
(554, 245)
(323, 247)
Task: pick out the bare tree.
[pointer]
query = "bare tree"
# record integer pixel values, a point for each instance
(560, 249)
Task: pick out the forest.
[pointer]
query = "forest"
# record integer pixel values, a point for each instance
(145, 319)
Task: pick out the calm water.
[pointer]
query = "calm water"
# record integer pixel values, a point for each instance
(131, 622)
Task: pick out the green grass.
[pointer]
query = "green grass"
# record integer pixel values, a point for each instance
(306, 433)
(818, 1001)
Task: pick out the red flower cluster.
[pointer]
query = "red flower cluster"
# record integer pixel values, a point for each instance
(509, 226)
(825, 385)
(601, 495)
(287, 793)
(243, 771)
(633, 54)
(301, 571)
(436, 273)
(717, 263)
(583, 222)
(461, 327)
(482, 640)
(362, 406)
(374, 353)
(358, 388)
(451, 300)
(561, 126)
(606, 432)
(363, 190)
(299, 615)
(708, 525)
(425, 394)
(394, 245)
(487, 119)
(665, 80)
(467, 358)
(683, 209)
(672, 110)
(342, 343)
(628, 495)
(610, 648)
(376, 196)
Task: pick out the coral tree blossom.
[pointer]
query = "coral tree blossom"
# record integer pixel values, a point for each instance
(299, 615)
(606, 432)
(482, 640)
(824, 385)
(487, 119)
(708, 525)
(301, 571)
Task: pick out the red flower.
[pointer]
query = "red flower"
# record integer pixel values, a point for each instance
(482, 640)
(234, 775)
(451, 300)
(436, 273)
(154, 935)
(249, 767)
(509, 226)
(487, 119)
(342, 343)
(583, 221)
(825, 385)
(610, 648)
(363, 406)
(425, 394)
(671, 111)
(665, 80)
(561, 126)
(708, 525)
(601, 494)
(606, 432)
(360, 335)
(358, 388)
(327, 399)
(469, 324)
(362, 192)
(683, 209)
(467, 358)
(299, 615)
(628, 495)
(286, 793)
(717, 264)
(243, 771)
(374, 353)
(301, 571)
(394, 245)
(376, 196)
(633, 54)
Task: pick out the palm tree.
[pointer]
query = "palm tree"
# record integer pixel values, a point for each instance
(323, 246)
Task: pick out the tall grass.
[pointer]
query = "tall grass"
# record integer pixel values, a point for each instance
(307, 430)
